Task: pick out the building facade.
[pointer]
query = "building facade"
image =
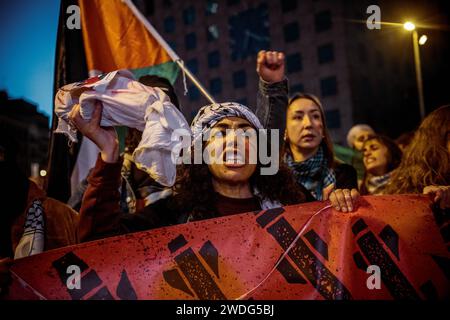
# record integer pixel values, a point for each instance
(24, 134)
(360, 75)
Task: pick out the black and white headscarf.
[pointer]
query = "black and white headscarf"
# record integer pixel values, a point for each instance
(314, 173)
(32, 241)
(208, 116)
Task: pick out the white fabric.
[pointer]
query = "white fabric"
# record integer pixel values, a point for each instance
(127, 102)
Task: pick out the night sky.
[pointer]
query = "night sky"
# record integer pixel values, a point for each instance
(28, 37)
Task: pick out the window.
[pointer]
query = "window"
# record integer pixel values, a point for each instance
(239, 79)
(294, 62)
(191, 41)
(215, 86)
(192, 65)
(296, 88)
(333, 119)
(288, 5)
(189, 15)
(328, 86)
(249, 32)
(213, 59)
(325, 53)
(291, 32)
(169, 24)
(194, 93)
(211, 7)
(323, 21)
(212, 33)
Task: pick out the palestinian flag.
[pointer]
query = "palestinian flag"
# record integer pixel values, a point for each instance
(114, 38)
(111, 38)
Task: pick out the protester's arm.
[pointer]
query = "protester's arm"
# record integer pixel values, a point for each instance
(100, 210)
(272, 99)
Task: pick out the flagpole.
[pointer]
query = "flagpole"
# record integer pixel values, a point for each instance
(168, 49)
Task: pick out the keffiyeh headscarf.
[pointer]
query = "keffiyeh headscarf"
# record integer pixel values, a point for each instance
(208, 116)
(377, 184)
(314, 173)
(32, 241)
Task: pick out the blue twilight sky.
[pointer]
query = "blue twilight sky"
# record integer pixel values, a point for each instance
(27, 56)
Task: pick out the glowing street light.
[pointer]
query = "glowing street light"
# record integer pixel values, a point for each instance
(409, 26)
(423, 39)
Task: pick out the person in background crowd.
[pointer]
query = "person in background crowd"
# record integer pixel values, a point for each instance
(358, 134)
(425, 165)
(356, 137)
(30, 222)
(381, 156)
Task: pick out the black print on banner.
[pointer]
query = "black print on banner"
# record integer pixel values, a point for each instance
(91, 281)
(442, 217)
(391, 275)
(321, 278)
(198, 277)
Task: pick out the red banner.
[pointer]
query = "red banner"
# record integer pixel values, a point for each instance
(392, 247)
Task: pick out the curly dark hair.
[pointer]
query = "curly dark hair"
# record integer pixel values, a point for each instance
(195, 191)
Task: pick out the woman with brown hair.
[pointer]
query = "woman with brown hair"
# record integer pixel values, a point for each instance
(308, 152)
(381, 156)
(425, 166)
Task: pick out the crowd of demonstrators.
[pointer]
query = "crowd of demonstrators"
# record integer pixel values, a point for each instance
(381, 157)
(119, 197)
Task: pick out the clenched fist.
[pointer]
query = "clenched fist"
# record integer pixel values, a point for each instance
(270, 66)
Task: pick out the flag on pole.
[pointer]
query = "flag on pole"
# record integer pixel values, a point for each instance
(115, 39)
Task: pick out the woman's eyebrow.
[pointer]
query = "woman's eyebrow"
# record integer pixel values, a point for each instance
(222, 126)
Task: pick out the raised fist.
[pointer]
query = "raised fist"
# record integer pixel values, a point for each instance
(270, 66)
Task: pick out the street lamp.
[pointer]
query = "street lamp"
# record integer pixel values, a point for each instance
(423, 39)
(411, 27)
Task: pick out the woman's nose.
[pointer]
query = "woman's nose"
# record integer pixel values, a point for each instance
(307, 121)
